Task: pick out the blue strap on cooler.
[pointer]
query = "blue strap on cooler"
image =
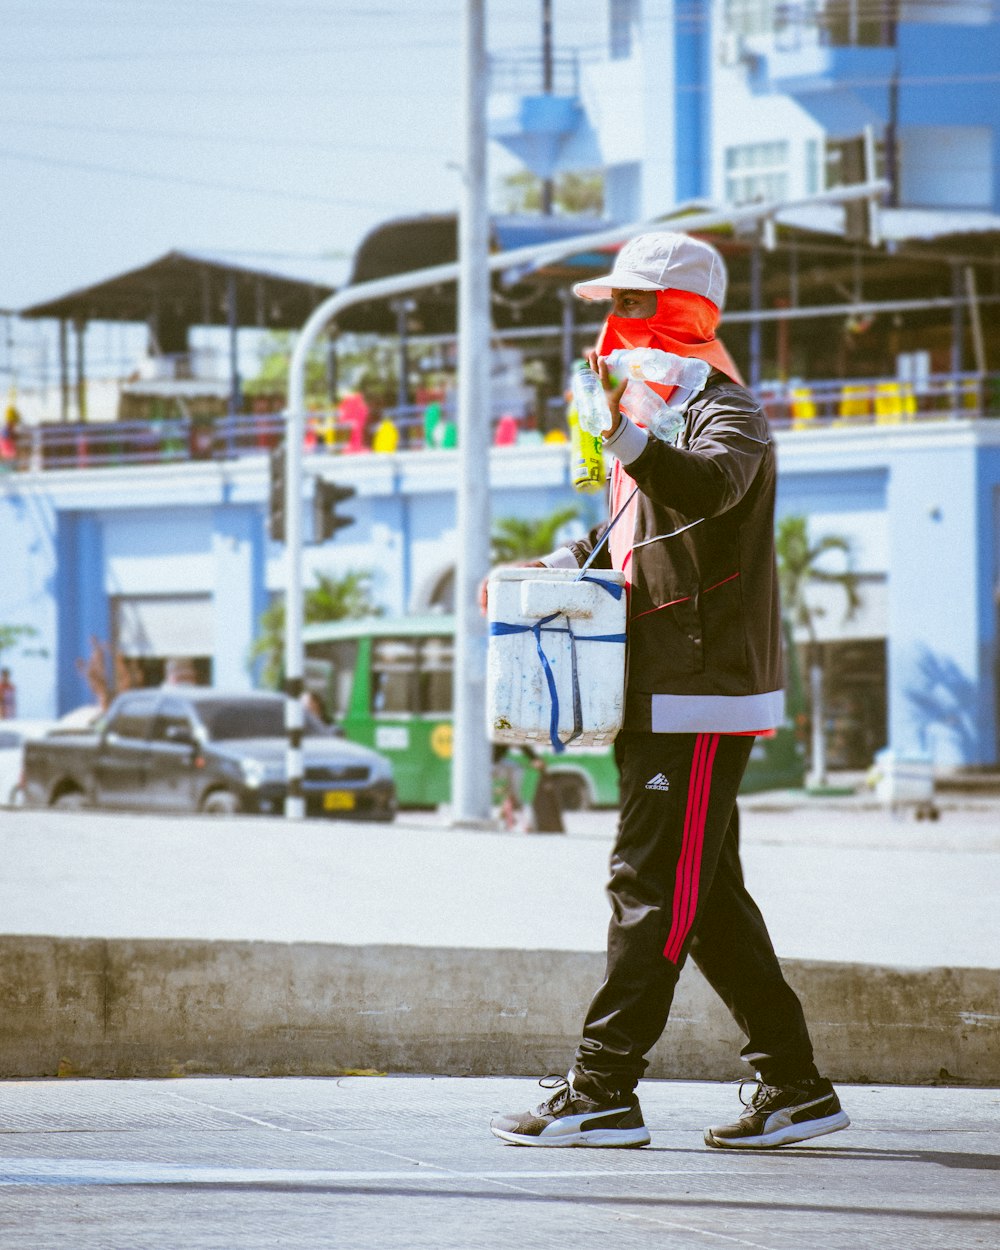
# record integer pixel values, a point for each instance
(498, 628)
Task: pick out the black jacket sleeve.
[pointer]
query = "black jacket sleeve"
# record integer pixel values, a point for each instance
(727, 437)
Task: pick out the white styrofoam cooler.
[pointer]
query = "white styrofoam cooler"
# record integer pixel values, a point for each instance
(903, 779)
(580, 626)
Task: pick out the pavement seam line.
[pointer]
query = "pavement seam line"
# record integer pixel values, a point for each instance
(629, 1215)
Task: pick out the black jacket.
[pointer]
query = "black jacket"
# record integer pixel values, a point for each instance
(704, 634)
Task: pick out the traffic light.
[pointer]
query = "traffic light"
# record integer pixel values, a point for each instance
(276, 495)
(326, 519)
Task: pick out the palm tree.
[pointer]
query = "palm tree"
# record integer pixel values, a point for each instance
(799, 567)
(331, 599)
(12, 636)
(515, 538)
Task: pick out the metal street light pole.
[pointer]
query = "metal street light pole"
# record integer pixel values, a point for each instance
(470, 777)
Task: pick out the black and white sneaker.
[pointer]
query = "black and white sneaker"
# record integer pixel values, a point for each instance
(780, 1115)
(570, 1118)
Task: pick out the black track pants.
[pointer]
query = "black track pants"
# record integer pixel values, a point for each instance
(676, 889)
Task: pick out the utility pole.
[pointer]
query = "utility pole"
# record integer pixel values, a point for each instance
(470, 778)
(756, 283)
(548, 84)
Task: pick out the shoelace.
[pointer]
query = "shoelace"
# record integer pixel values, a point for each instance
(763, 1094)
(760, 1097)
(563, 1092)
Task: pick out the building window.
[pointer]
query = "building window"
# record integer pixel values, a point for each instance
(757, 171)
(751, 17)
(860, 23)
(846, 23)
(844, 161)
(622, 18)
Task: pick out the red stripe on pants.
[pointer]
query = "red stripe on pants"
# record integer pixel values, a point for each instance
(689, 863)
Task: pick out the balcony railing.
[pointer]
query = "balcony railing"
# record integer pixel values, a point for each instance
(880, 401)
(89, 445)
(523, 73)
(795, 24)
(792, 406)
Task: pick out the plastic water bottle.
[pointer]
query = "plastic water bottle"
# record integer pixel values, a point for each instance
(651, 410)
(588, 397)
(587, 455)
(687, 374)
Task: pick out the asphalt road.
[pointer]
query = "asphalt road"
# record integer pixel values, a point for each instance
(408, 1163)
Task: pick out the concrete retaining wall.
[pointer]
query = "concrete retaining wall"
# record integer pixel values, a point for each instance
(113, 1008)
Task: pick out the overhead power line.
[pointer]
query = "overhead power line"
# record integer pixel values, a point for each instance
(197, 13)
(132, 55)
(304, 197)
(325, 91)
(224, 138)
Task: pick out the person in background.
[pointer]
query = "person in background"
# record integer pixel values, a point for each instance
(8, 435)
(508, 772)
(695, 540)
(180, 671)
(313, 704)
(8, 695)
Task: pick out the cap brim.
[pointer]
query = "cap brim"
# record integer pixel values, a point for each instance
(617, 280)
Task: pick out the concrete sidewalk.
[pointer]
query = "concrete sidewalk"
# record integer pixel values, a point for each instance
(143, 946)
(408, 1163)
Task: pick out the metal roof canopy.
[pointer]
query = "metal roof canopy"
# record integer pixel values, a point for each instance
(184, 289)
(407, 244)
(174, 293)
(802, 268)
(813, 267)
(809, 267)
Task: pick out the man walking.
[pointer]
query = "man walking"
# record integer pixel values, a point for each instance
(704, 677)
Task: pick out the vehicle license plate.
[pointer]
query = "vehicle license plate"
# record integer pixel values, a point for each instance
(338, 801)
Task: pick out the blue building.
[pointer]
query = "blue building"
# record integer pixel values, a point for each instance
(731, 101)
(921, 75)
(165, 560)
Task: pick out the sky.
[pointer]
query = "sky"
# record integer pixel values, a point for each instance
(284, 127)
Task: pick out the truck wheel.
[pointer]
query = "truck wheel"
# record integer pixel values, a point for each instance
(220, 803)
(69, 801)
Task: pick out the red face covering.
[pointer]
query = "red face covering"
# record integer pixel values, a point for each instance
(684, 323)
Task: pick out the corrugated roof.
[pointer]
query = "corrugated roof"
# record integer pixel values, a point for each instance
(191, 288)
(329, 272)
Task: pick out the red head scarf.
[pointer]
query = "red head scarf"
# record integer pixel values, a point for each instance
(684, 323)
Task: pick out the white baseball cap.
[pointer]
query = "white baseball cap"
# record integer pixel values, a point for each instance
(661, 262)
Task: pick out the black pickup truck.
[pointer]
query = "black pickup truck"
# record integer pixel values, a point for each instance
(196, 749)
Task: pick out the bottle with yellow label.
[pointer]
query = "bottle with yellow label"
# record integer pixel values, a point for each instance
(587, 456)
